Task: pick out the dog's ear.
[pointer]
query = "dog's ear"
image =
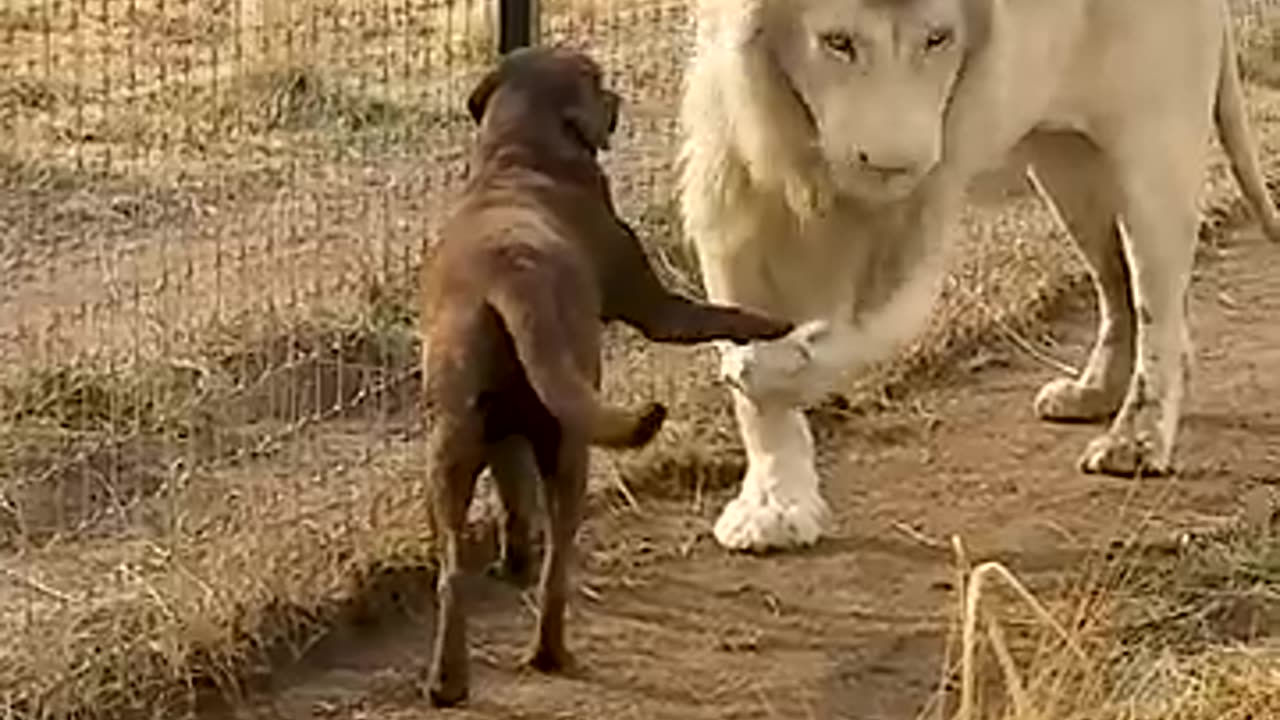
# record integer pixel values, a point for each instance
(595, 124)
(478, 100)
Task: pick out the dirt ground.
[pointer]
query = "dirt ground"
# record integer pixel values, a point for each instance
(668, 625)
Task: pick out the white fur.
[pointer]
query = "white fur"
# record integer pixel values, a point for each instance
(802, 367)
(780, 504)
(785, 196)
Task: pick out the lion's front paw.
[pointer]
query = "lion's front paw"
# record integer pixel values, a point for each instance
(782, 370)
(770, 521)
(780, 507)
(1127, 454)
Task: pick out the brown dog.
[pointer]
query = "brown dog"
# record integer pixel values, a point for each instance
(533, 261)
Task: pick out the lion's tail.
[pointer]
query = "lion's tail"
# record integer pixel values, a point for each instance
(1232, 120)
(535, 314)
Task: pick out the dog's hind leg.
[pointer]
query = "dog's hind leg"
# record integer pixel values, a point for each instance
(455, 455)
(515, 473)
(562, 458)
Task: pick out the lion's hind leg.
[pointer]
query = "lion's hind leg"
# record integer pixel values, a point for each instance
(1159, 188)
(1071, 175)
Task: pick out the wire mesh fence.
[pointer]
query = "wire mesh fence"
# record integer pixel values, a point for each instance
(211, 219)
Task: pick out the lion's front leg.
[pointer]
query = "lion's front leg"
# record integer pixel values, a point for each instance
(780, 505)
(796, 369)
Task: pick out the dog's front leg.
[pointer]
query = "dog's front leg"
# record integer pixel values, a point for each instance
(635, 295)
(514, 470)
(675, 319)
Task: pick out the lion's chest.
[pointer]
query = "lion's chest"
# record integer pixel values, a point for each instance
(846, 262)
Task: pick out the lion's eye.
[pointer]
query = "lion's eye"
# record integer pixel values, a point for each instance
(938, 39)
(841, 44)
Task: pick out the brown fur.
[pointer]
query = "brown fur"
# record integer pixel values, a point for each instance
(532, 262)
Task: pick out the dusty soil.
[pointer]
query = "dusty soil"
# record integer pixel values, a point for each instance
(668, 625)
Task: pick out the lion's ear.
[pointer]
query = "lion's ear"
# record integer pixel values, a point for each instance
(478, 100)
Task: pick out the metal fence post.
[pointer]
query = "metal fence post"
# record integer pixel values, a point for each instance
(517, 24)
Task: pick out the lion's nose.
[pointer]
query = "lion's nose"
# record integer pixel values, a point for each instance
(886, 167)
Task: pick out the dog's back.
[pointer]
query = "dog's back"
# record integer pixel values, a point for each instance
(513, 317)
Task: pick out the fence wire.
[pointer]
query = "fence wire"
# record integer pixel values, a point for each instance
(211, 220)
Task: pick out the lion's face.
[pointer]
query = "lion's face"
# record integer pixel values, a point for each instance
(875, 77)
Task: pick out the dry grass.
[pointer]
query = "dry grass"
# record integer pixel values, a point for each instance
(206, 449)
(172, 528)
(1180, 637)
(144, 626)
(1259, 41)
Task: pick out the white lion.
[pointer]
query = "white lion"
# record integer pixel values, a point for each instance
(829, 144)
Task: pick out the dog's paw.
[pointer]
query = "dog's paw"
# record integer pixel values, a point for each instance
(514, 569)
(445, 691)
(546, 659)
(648, 425)
(778, 370)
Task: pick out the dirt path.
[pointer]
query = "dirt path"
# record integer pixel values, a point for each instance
(672, 627)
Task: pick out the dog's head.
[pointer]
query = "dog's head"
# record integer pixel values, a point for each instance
(559, 82)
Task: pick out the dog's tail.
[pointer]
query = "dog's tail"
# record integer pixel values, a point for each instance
(1232, 120)
(543, 324)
